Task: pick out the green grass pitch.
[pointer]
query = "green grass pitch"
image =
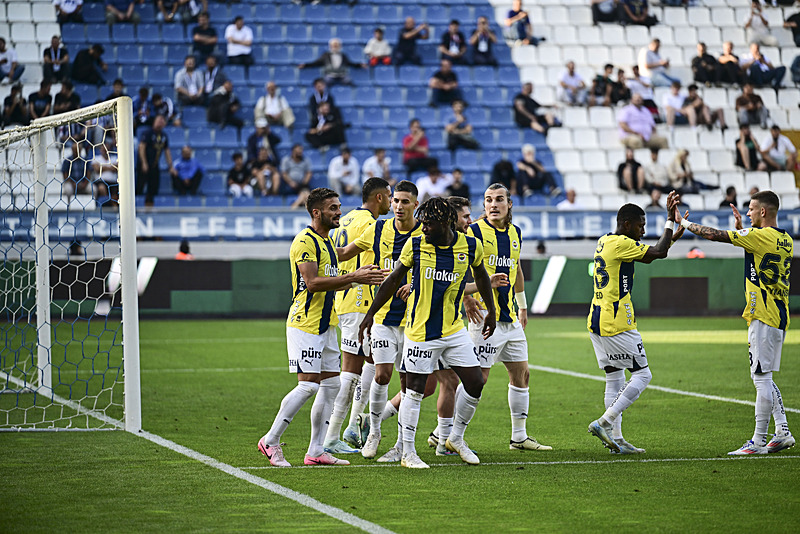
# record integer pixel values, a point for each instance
(214, 386)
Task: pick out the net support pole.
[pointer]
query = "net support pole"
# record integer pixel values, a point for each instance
(42, 243)
(127, 238)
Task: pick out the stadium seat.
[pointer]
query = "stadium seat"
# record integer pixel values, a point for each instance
(350, 34)
(297, 33)
(391, 96)
(467, 160)
(321, 34)
(159, 74)
(384, 76)
(374, 117)
(130, 55)
(150, 33)
(389, 14)
(366, 96)
(285, 76)
(133, 75)
(273, 34)
(303, 54)
(437, 15)
(123, 34)
(154, 53)
(201, 137)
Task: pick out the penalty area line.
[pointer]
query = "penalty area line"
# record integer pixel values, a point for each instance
(300, 498)
(574, 374)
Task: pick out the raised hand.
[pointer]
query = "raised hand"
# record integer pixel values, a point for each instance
(677, 234)
(738, 217)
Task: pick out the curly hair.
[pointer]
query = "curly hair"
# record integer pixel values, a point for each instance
(439, 210)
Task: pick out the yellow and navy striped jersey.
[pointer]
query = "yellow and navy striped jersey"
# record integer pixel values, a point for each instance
(501, 249)
(386, 243)
(612, 309)
(767, 262)
(437, 286)
(352, 225)
(312, 312)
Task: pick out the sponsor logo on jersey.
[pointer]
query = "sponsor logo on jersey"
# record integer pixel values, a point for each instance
(417, 352)
(618, 357)
(500, 261)
(380, 344)
(484, 351)
(305, 257)
(784, 244)
(349, 343)
(331, 270)
(309, 354)
(389, 263)
(440, 276)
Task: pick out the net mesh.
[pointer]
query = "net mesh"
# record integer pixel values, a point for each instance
(61, 355)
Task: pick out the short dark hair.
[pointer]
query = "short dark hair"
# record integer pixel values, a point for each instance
(317, 196)
(378, 30)
(692, 87)
(730, 190)
(98, 48)
(118, 81)
(317, 80)
(629, 212)
(676, 83)
(237, 155)
(157, 96)
(457, 169)
(767, 198)
(406, 186)
(608, 66)
(455, 21)
(458, 202)
(371, 185)
(238, 17)
(412, 121)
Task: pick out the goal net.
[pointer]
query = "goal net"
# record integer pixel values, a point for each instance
(69, 357)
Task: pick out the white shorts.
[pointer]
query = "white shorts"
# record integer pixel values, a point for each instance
(386, 343)
(622, 351)
(765, 343)
(312, 353)
(507, 344)
(348, 324)
(455, 350)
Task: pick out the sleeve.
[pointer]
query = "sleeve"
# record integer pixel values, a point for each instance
(478, 253)
(229, 31)
(766, 144)
(788, 146)
(366, 238)
(630, 250)
(407, 254)
(303, 250)
(748, 238)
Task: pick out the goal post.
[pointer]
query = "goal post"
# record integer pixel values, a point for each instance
(69, 358)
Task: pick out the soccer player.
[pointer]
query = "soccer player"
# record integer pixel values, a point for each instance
(350, 305)
(612, 323)
(310, 340)
(434, 329)
(767, 261)
(502, 244)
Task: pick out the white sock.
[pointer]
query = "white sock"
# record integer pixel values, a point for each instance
(459, 391)
(631, 391)
(409, 417)
(764, 405)
(389, 410)
(361, 397)
(290, 405)
(614, 384)
(443, 429)
(377, 403)
(778, 412)
(465, 409)
(349, 381)
(321, 413)
(518, 400)
(399, 442)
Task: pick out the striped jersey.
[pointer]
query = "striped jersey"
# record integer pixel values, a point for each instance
(437, 287)
(386, 243)
(352, 225)
(611, 312)
(767, 261)
(312, 312)
(501, 249)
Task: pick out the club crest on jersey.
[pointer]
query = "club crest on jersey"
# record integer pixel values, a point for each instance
(462, 257)
(514, 245)
(743, 232)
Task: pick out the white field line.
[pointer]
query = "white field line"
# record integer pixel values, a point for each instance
(563, 462)
(651, 386)
(213, 340)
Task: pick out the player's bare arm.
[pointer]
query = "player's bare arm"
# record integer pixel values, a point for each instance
(382, 296)
(661, 248)
(706, 232)
(497, 280)
(366, 274)
(349, 252)
(485, 289)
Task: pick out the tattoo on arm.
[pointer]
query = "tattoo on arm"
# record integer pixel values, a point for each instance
(712, 234)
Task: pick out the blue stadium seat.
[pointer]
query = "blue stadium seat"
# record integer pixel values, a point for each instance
(364, 13)
(389, 14)
(412, 10)
(297, 33)
(321, 34)
(303, 54)
(426, 115)
(129, 55)
(467, 160)
(153, 53)
(465, 15)
(479, 117)
(484, 10)
(236, 74)
(495, 97)
(358, 138)
(398, 116)
(469, 94)
(535, 138)
(263, 12)
(99, 34)
(508, 139)
(122, 34)
(392, 96)
(382, 138)
(384, 76)
(307, 76)
(295, 96)
(208, 158)
(164, 201)
(339, 14)
(437, 15)
(176, 135)
(490, 157)
(133, 75)
(285, 76)
(194, 116)
(485, 137)
(484, 76)
(217, 201)
(218, 12)
(351, 34)
(92, 13)
(74, 35)
(366, 96)
(272, 201)
(159, 74)
(292, 13)
(201, 137)
(227, 138)
(417, 96)
(409, 75)
(476, 183)
(243, 202)
(279, 55)
(192, 201)
(374, 117)
(315, 14)
(272, 34)
(342, 96)
(429, 53)
(508, 76)
(436, 140)
(88, 93)
(175, 34)
(150, 33)
(503, 118)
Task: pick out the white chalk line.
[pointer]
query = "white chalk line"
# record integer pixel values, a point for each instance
(563, 462)
(211, 341)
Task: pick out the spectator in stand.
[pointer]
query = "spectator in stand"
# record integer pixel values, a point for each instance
(655, 200)
(655, 174)
(117, 90)
(750, 107)
(56, 61)
(296, 170)
(572, 86)
(66, 99)
(240, 40)
(481, 42)
(40, 102)
(378, 166)
(526, 112)
(68, 11)
(433, 185)
(326, 129)
(204, 38)
(183, 11)
(730, 198)
(264, 174)
(778, 152)
(142, 109)
(619, 89)
(274, 108)
(415, 150)
(681, 176)
(570, 203)
(188, 173)
(760, 70)
(757, 26)
(653, 65)
(162, 105)
(519, 30)
(122, 11)
(10, 69)
(705, 115)
(343, 174)
(795, 70)
(189, 84)
(224, 106)
(334, 64)
(532, 176)
(76, 174)
(152, 145)
(89, 67)
(635, 12)
(453, 45)
(793, 23)
(602, 85)
(604, 11)
(729, 70)
(643, 86)
(406, 49)
(705, 68)
(213, 78)
(444, 83)
(503, 173)
(319, 95)
(105, 171)
(239, 178)
(459, 130)
(637, 129)
(676, 109)
(458, 188)
(184, 252)
(15, 108)
(378, 50)
(747, 151)
(263, 138)
(630, 174)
